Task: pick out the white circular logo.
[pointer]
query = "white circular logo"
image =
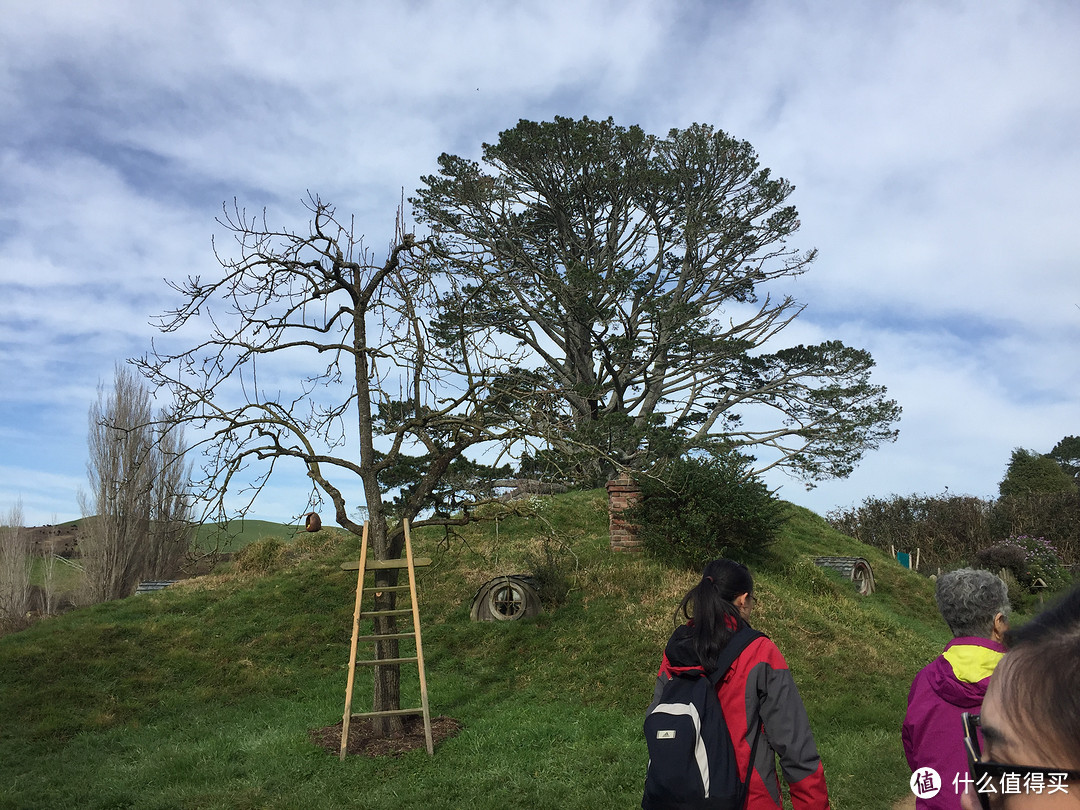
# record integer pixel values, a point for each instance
(925, 783)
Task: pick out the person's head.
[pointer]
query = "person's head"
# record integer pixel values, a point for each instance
(717, 605)
(1031, 713)
(973, 603)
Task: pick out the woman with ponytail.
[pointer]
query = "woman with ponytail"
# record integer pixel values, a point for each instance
(757, 695)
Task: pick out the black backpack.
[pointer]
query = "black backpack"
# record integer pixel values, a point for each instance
(691, 756)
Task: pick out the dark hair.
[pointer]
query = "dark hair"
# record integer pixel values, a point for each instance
(710, 606)
(1041, 687)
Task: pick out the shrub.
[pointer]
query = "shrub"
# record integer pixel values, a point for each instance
(320, 542)
(550, 574)
(1005, 557)
(945, 528)
(950, 528)
(261, 557)
(1054, 515)
(1019, 598)
(702, 509)
(1029, 559)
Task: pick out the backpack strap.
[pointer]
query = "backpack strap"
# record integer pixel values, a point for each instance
(736, 644)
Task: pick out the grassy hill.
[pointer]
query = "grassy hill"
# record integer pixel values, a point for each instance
(239, 533)
(203, 695)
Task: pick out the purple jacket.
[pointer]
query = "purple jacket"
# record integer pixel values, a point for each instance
(951, 684)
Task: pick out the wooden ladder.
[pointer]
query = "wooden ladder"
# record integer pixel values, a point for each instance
(363, 566)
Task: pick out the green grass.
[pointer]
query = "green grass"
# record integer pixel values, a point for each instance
(202, 696)
(65, 578)
(240, 533)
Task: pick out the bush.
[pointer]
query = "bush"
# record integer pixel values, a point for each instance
(1019, 597)
(1054, 515)
(702, 509)
(945, 528)
(550, 575)
(1005, 557)
(320, 542)
(261, 557)
(1029, 559)
(949, 528)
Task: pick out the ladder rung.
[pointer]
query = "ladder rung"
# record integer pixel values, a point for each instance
(400, 612)
(385, 636)
(387, 713)
(371, 565)
(385, 588)
(379, 661)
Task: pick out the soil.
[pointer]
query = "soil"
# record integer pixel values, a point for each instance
(363, 742)
(62, 539)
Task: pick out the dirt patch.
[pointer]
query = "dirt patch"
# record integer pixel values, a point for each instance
(62, 540)
(363, 742)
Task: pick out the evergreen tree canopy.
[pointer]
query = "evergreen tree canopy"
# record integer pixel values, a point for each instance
(1031, 473)
(1067, 454)
(645, 277)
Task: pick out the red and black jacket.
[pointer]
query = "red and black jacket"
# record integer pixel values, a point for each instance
(758, 692)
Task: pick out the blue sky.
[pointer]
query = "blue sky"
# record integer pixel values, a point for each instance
(933, 146)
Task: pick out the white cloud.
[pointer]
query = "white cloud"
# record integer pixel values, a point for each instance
(931, 145)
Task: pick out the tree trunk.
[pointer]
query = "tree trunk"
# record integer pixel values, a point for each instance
(387, 693)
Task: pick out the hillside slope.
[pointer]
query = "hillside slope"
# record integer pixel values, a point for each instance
(204, 695)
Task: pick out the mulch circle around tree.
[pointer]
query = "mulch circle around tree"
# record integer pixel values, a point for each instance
(363, 742)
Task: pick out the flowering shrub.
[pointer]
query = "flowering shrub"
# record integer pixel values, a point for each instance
(1029, 559)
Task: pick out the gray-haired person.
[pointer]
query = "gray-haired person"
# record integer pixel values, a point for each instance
(975, 605)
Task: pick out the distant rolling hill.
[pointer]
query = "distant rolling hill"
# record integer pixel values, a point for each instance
(240, 533)
(63, 538)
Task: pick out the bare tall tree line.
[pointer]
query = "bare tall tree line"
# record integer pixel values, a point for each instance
(138, 505)
(15, 567)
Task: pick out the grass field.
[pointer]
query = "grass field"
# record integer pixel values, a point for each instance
(240, 533)
(202, 696)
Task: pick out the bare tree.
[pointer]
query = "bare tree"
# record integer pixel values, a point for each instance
(321, 356)
(169, 533)
(15, 569)
(48, 582)
(137, 508)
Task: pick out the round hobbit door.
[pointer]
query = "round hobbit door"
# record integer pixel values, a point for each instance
(506, 599)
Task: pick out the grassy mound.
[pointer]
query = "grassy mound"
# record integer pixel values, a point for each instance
(205, 695)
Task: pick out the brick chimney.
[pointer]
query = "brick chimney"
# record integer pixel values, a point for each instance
(622, 494)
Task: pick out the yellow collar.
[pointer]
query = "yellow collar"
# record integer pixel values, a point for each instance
(971, 663)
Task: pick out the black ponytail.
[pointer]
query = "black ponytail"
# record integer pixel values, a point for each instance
(710, 605)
